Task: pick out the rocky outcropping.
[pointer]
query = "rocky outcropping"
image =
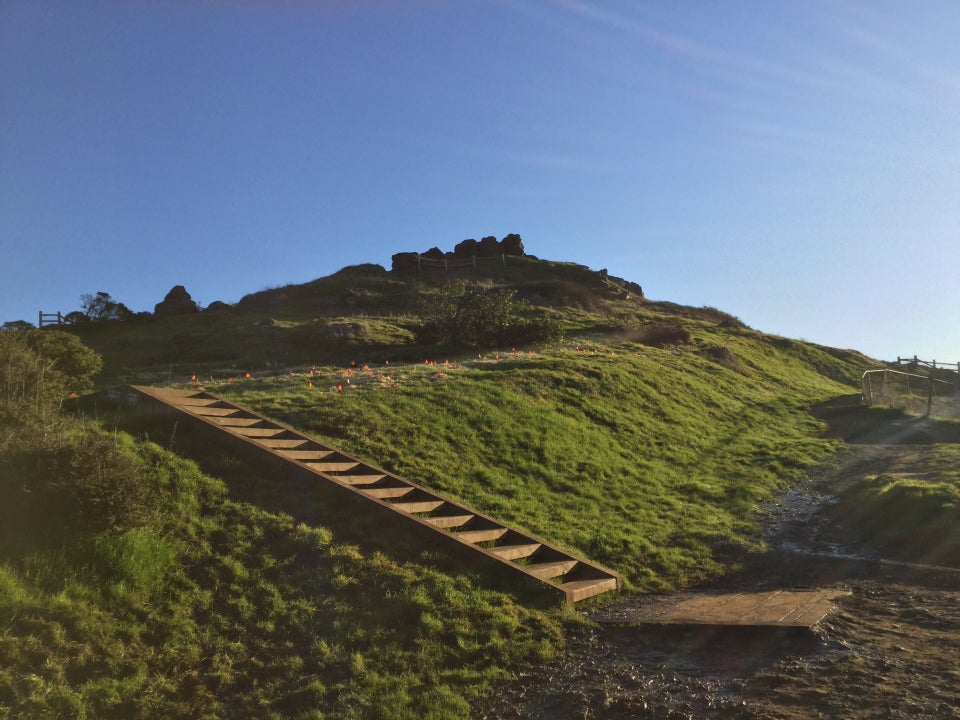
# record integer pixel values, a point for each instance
(177, 302)
(470, 248)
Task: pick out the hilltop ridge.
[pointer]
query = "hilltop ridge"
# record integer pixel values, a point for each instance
(368, 312)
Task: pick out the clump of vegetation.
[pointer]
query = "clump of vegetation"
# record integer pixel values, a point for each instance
(84, 483)
(723, 356)
(38, 369)
(561, 293)
(98, 308)
(458, 315)
(662, 334)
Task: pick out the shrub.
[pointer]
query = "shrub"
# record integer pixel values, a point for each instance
(88, 485)
(561, 293)
(103, 307)
(662, 334)
(38, 368)
(471, 317)
(723, 356)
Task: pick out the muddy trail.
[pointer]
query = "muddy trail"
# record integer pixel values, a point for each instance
(889, 650)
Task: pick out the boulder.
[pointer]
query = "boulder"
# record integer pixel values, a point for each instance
(177, 302)
(404, 261)
(512, 245)
(216, 306)
(489, 247)
(466, 249)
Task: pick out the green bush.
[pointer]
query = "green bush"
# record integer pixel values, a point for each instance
(87, 484)
(661, 334)
(461, 316)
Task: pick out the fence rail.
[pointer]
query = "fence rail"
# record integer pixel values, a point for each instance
(445, 263)
(907, 390)
(953, 367)
(56, 318)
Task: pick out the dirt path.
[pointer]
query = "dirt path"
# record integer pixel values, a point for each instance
(890, 650)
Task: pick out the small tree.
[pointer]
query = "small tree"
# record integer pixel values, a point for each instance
(17, 325)
(38, 368)
(471, 317)
(103, 307)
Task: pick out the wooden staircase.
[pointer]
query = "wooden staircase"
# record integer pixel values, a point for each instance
(513, 551)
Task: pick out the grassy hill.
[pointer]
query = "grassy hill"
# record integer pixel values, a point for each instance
(645, 438)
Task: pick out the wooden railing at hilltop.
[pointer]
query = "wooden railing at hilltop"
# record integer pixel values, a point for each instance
(446, 263)
(56, 318)
(932, 364)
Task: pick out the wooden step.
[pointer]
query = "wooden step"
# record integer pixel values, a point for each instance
(421, 506)
(515, 552)
(236, 421)
(264, 432)
(449, 521)
(214, 411)
(304, 455)
(387, 492)
(281, 444)
(548, 570)
(582, 589)
(358, 479)
(332, 467)
(479, 536)
(193, 402)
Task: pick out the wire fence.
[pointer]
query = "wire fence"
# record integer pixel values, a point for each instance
(926, 394)
(452, 263)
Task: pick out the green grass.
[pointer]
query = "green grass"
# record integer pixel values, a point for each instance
(910, 516)
(907, 518)
(218, 603)
(651, 461)
(221, 609)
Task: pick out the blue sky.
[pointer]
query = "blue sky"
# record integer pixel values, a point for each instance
(796, 164)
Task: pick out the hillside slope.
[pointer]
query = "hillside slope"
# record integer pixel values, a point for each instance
(646, 439)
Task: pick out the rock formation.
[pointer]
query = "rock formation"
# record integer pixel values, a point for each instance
(177, 302)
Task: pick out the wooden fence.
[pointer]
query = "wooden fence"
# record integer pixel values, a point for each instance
(448, 263)
(932, 364)
(56, 318)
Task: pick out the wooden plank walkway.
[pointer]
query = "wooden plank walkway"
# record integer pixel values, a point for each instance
(774, 608)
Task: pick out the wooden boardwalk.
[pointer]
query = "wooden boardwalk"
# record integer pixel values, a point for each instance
(774, 608)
